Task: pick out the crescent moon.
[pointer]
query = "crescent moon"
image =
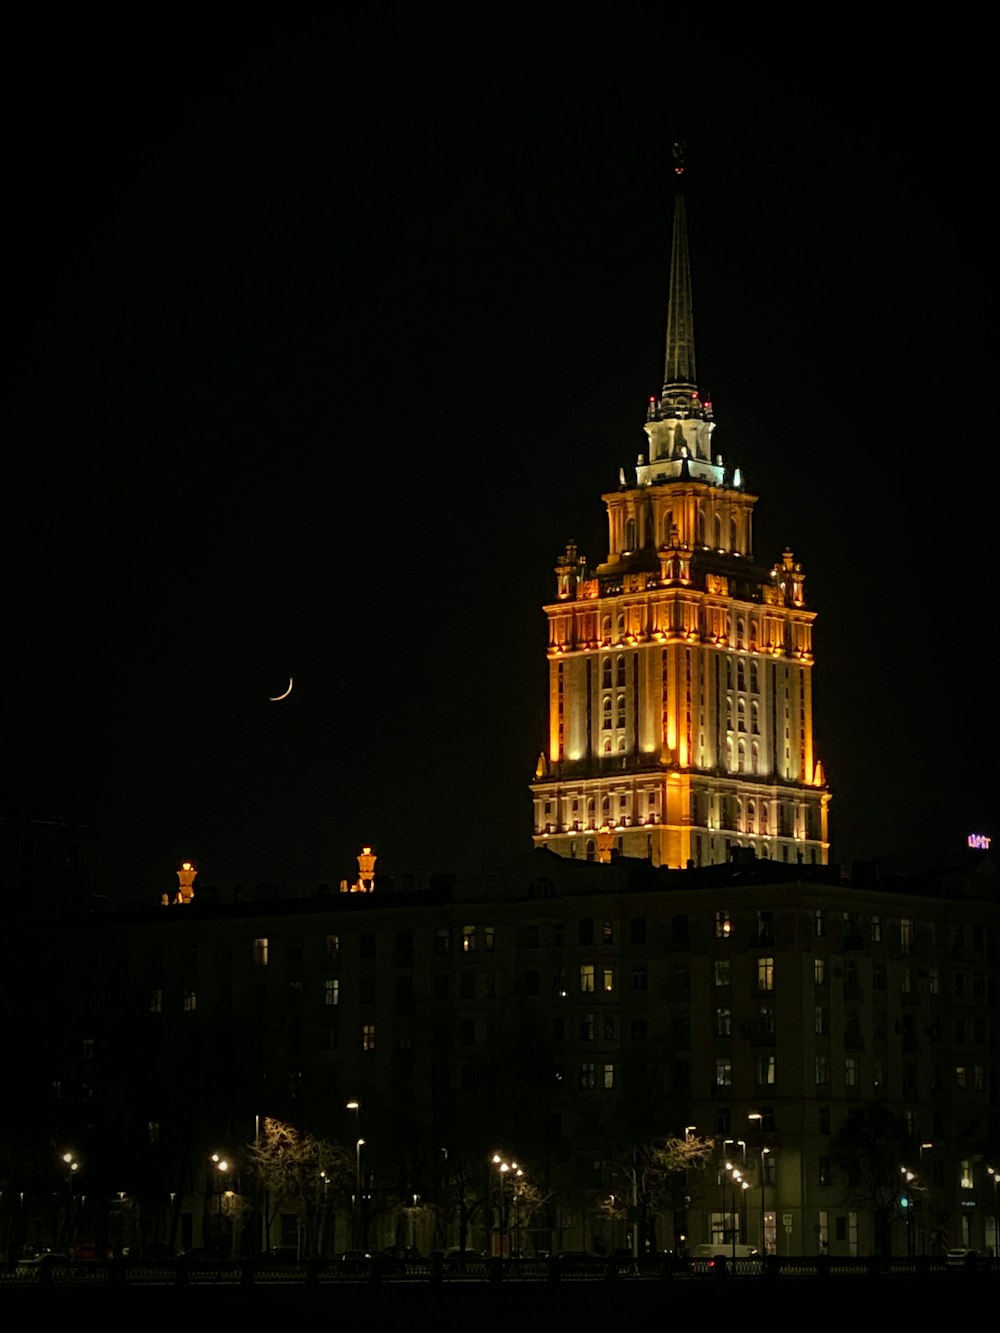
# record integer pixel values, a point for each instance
(275, 697)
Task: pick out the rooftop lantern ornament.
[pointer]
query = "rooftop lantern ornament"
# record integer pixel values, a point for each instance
(365, 882)
(185, 880)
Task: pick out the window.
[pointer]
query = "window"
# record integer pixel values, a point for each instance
(820, 923)
(532, 983)
(587, 1027)
(609, 980)
(822, 1071)
(906, 936)
(825, 1171)
(332, 948)
(467, 986)
(368, 1037)
(723, 925)
(640, 976)
(765, 927)
(260, 952)
(442, 986)
(331, 991)
(367, 944)
(723, 1022)
(489, 938)
(637, 930)
(608, 933)
(876, 930)
(765, 1020)
(765, 974)
(467, 1032)
(934, 981)
(722, 971)
(878, 976)
(966, 1179)
(765, 1070)
(819, 971)
(190, 1001)
(588, 1075)
(823, 1119)
(851, 1071)
(156, 1001)
(468, 939)
(723, 1072)
(609, 1076)
(587, 977)
(585, 931)
(638, 1029)
(821, 1020)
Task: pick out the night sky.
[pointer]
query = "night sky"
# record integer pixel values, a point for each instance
(320, 353)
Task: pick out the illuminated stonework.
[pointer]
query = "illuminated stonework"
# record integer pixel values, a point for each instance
(680, 671)
(186, 876)
(365, 883)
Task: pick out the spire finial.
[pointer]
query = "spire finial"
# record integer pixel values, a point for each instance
(679, 367)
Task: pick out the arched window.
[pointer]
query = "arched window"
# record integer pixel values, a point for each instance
(620, 671)
(754, 758)
(733, 539)
(729, 753)
(591, 849)
(606, 628)
(739, 815)
(606, 674)
(751, 816)
(754, 679)
(668, 523)
(729, 711)
(607, 745)
(741, 757)
(699, 526)
(763, 818)
(741, 714)
(606, 719)
(741, 675)
(630, 534)
(718, 532)
(753, 634)
(741, 631)
(605, 809)
(621, 626)
(755, 717)
(621, 710)
(621, 744)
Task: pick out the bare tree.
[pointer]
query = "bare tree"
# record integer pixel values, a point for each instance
(292, 1166)
(868, 1152)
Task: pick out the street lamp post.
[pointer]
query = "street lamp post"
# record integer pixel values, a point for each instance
(73, 1167)
(759, 1118)
(354, 1106)
(994, 1175)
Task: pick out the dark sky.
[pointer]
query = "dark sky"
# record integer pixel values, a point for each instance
(321, 351)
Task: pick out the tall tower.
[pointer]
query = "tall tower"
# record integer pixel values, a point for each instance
(680, 671)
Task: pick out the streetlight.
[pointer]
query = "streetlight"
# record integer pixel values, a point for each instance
(73, 1166)
(357, 1195)
(507, 1171)
(355, 1107)
(994, 1175)
(759, 1118)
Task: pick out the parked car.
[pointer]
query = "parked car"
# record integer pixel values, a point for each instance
(960, 1257)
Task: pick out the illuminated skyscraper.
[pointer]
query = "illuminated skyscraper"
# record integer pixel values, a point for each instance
(680, 670)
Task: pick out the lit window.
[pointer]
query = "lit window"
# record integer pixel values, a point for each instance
(260, 952)
(609, 1076)
(966, 1178)
(821, 1019)
(722, 971)
(723, 925)
(368, 1037)
(819, 971)
(587, 977)
(156, 1001)
(468, 939)
(765, 974)
(765, 1069)
(190, 1001)
(876, 930)
(332, 947)
(153, 1132)
(723, 1072)
(609, 979)
(822, 1071)
(608, 933)
(588, 1074)
(820, 920)
(489, 938)
(87, 1052)
(723, 1022)
(905, 936)
(331, 991)
(851, 1071)
(587, 1027)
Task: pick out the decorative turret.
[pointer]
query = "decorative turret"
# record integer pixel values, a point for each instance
(185, 891)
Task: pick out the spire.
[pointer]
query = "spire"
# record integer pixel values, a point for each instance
(679, 370)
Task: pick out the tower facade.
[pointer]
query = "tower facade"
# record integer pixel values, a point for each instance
(680, 670)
